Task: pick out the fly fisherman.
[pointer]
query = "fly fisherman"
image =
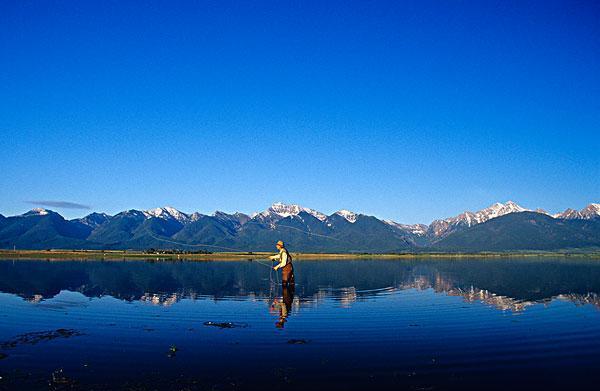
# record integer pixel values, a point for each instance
(285, 264)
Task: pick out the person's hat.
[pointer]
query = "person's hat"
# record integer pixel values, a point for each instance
(280, 243)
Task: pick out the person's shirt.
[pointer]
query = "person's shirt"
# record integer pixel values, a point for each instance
(283, 257)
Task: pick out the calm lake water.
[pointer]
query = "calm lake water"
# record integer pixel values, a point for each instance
(348, 324)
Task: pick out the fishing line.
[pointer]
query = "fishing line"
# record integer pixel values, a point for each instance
(260, 263)
(188, 244)
(301, 230)
(236, 249)
(272, 284)
(270, 272)
(203, 245)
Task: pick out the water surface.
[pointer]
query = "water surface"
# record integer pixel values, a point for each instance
(348, 324)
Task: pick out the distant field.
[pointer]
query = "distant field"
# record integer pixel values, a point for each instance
(120, 254)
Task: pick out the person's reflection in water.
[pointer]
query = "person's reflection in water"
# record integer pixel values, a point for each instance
(284, 305)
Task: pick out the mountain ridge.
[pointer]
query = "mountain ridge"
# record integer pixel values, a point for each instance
(305, 229)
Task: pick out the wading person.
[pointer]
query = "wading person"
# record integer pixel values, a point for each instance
(285, 264)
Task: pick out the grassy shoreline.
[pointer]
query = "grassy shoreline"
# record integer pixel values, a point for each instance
(125, 254)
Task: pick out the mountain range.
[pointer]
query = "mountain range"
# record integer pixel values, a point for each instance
(500, 227)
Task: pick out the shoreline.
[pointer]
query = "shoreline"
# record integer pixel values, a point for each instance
(224, 256)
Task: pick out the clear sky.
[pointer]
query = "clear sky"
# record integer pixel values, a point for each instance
(404, 110)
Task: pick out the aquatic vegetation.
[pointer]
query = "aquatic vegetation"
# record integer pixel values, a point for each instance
(39, 336)
(172, 351)
(226, 325)
(60, 381)
(297, 341)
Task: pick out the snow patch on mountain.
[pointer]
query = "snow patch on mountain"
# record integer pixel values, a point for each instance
(498, 209)
(591, 211)
(280, 210)
(133, 213)
(237, 218)
(348, 215)
(94, 219)
(415, 229)
(439, 228)
(37, 212)
(196, 216)
(568, 214)
(167, 213)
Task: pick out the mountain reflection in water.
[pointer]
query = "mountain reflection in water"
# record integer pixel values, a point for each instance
(506, 284)
(524, 323)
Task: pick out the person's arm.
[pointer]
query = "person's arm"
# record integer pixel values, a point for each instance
(276, 257)
(283, 260)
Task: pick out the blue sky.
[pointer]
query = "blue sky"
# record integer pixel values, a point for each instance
(404, 110)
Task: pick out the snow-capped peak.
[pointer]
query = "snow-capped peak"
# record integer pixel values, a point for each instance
(37, 212)
(415, 229)
(281, 210)
(196, 216)
(348, 215)
(94, 219)
(166, 213)
(446, 226)
(591, 211)
(498, 209)
(569, 213)
(237, 217)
